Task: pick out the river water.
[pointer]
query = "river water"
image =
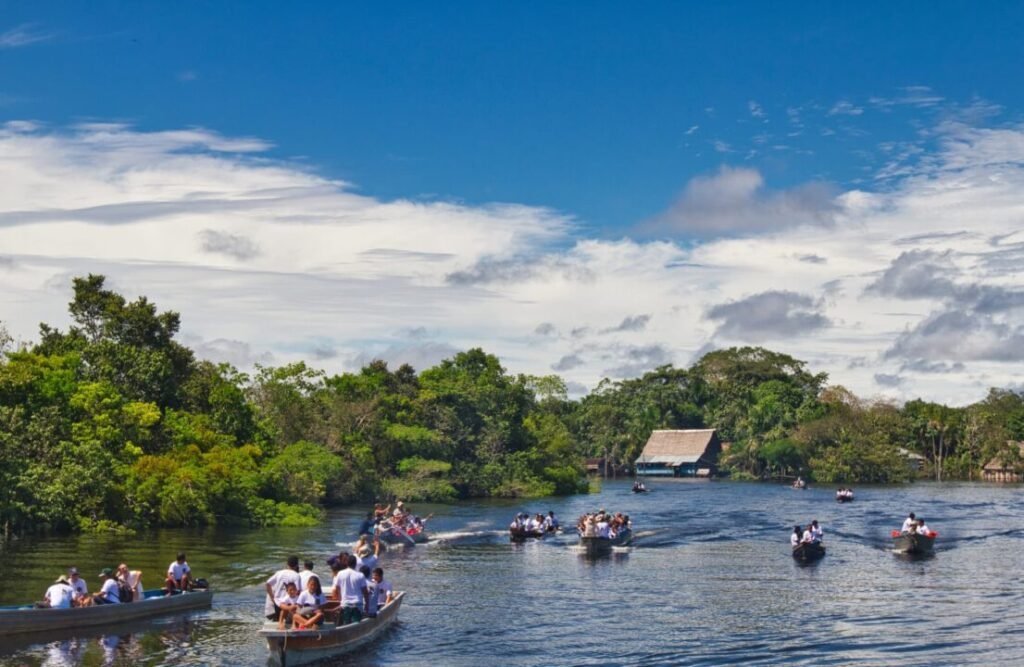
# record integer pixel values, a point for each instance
(708, 581)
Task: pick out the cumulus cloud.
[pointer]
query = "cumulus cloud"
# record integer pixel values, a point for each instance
(630, 323)
(418, 355)
(239, 354)
(959, 336)
(489, 270)
(231, 245)
(546, 329)
(768, 315)
(887, 380)
(637, 360)
(568, 362)
(735, 201)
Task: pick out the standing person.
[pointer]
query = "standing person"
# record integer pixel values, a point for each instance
(307, 574)
(367, 558)
(277, 584)
(81, 597)
(368, 525)
(816, 532)
(109, 593)
(132, 580)
(179, 575)
(350, 590)
(60, 594)
(380, 592)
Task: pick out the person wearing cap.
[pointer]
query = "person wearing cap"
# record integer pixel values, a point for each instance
(60, 594)
(109, 593)
(81, 596)
(179, 575)
(277, 585)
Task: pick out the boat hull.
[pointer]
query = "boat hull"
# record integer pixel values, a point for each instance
(913, 544)
(523, 535)
(844, 499)
(302, 647)
(28, 620)
(391, 537)
(809, 551)
(597, 546)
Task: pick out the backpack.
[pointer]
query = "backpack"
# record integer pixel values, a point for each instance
(124, 591)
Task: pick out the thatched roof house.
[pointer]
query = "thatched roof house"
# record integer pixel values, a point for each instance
(1004, 468)
(680, 453)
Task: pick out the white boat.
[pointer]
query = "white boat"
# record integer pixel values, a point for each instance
(21, 620)
(302, 647)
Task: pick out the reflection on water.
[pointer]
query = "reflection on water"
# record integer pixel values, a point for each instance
(708, 580)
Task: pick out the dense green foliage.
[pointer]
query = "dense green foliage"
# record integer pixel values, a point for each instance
(114, 423)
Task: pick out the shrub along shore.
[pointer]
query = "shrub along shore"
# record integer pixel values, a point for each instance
(114, 423)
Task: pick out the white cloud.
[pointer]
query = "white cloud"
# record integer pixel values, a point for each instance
(845, 108)
(266, 260)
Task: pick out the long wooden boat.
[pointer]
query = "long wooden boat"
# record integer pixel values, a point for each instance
(913, 543)
(301, 647)
(597, 546)
(28, 619)
(521, 534)
(808, 551)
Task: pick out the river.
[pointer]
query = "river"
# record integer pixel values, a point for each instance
(708, 581)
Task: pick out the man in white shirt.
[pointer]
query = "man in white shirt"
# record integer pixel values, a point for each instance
(59, 595)
(604, 528)
(109, 593)
(816, 532)
(367, 558)
(922, 528)
(277, 585)
(179, 575)
(306, 574)
(909, 524)
(350, 590)
(380, 592)
(81, 590)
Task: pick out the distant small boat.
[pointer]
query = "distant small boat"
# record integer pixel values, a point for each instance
(913, 543)
(598, 546)
(639, 489)
(25, 619)
(844, 498)
(808, 551)
(399, 536)
(301, 647)
(800, 485)
(521, 534)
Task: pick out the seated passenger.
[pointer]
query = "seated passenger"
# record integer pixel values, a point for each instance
(816, 532)
(287, 602)
(60, 594)
(909, 524)
(179, 575)
(131, 580)
(310, 601)
(922, 529)
(109, 593)
(794, 539)
(81, 597)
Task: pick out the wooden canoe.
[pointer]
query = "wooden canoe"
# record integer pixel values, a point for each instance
(808, 551)
(22, 620)
(301, 647)
(913, 543)
(597, 546)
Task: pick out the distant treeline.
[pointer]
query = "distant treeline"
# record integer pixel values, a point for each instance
(113, 423)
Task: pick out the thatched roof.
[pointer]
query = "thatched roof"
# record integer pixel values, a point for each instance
(676, 447)
(997, 463)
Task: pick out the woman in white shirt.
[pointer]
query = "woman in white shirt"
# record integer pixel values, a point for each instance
(309, 602)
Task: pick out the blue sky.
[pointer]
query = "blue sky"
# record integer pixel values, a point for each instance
(589, 189)
(583, 107)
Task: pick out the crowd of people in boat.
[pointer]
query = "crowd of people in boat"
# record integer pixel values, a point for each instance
(799, 483)
(603, 524)
(399, 522)
(811, 534)
(914, 525)
(639, 487)
(117, 586)
(537, 523)
(843, 493)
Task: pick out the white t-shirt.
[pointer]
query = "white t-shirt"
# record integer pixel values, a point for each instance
(350, 585)
(110, 590)
(370, 562)
(80, 588)
(807, 536)
(817, 533)
(59, 596)
(907, 523)
(603, 529)
(278, 583)
(178, 570)
(923, 530)
(305, 576)
(307, 599)
(284, 599)
(794, 539)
